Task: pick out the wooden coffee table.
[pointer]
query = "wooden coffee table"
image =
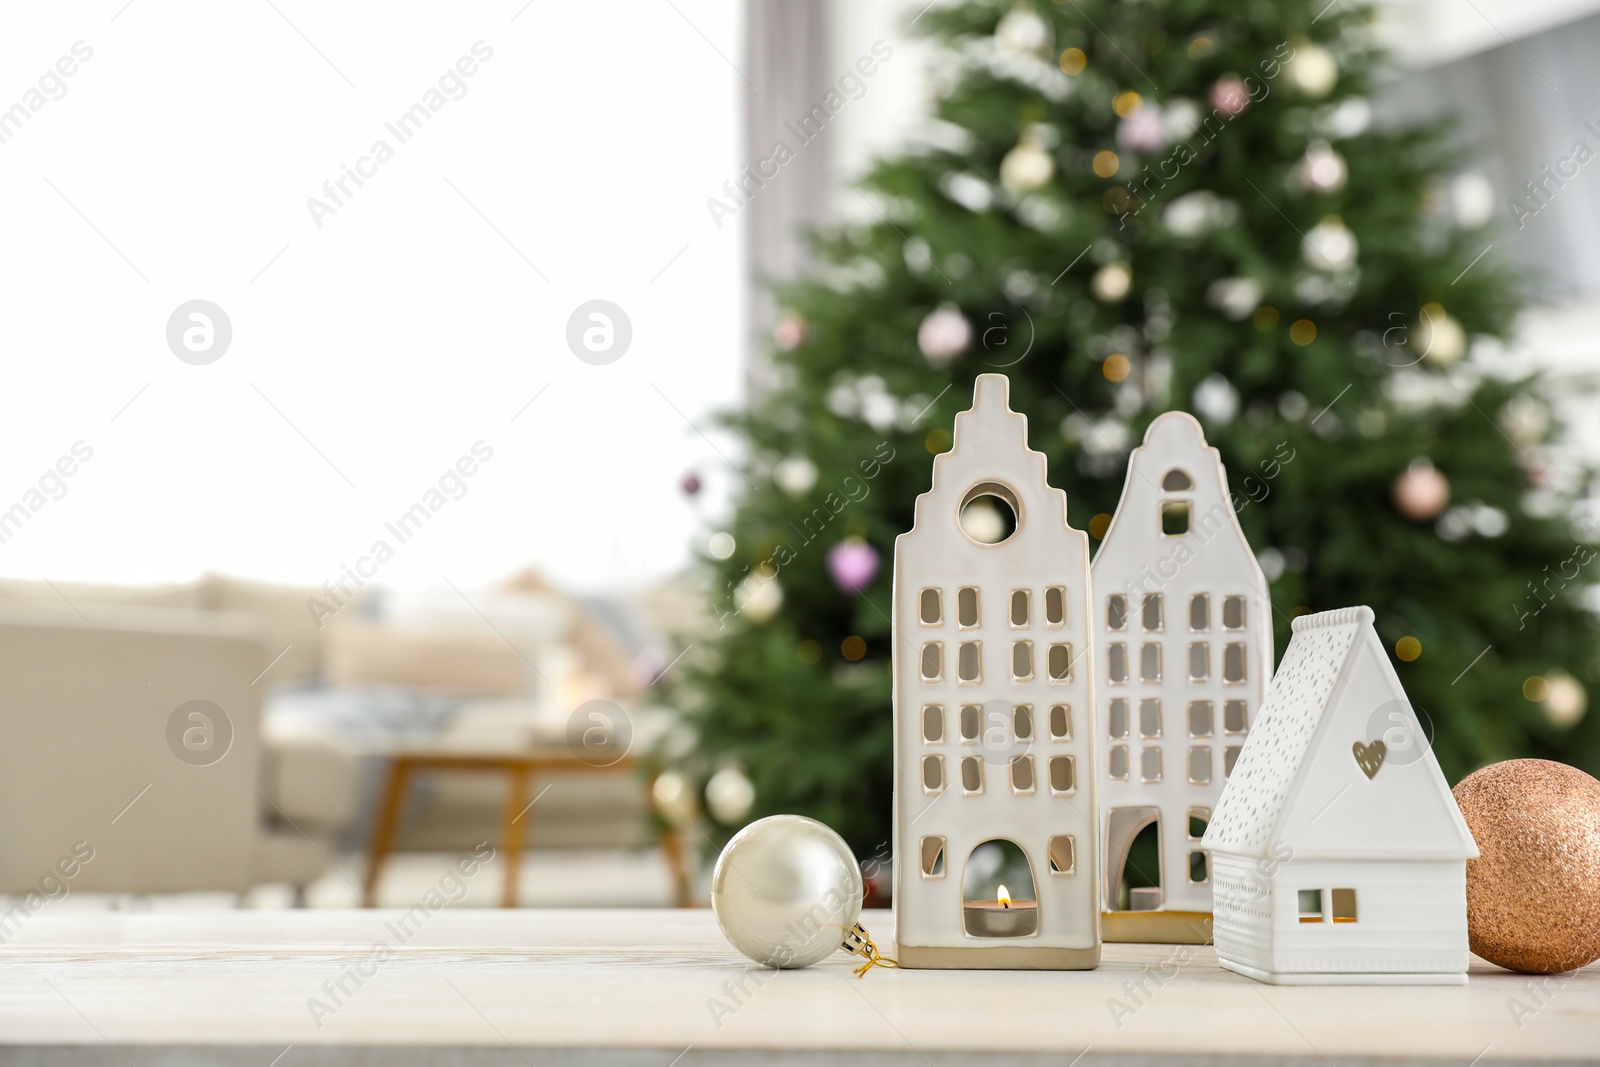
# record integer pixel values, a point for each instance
(520, 765)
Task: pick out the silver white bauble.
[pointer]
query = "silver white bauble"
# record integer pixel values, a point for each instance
(730, 796)
(1216, 399)
(1472, 200)
(1191, 214)
(1027, 167)
(1440, 338)
(1330, 246)
(983, 522)
(1182, 118)
(1490, 521)
(672, 798)
(1322, 170)
(1236, 298)
(785, 891)
(1312, 70)
(1022, 32)
(1525, 419)
(880, 411)
(758, 599)
(1350, 117)
(795, 475)
(1111, 282)
(944, 335)
(1565, 701)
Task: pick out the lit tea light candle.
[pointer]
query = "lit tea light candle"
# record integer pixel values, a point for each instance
(1001, 917)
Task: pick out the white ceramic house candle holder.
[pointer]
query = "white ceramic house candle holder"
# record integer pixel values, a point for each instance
(1183, 653)
(994, 731)
(1340, 853)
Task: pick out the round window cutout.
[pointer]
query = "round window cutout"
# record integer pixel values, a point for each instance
(1177, 481)
(989, 514)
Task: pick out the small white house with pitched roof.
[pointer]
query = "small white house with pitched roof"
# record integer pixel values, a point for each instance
(993, 711)
(1183, 655)
(1340, 855)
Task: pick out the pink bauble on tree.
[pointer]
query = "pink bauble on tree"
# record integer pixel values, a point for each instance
(1229, 95)
(1143, 131)
(944, 335)
(789, 331)
(1421, 493)
(852, 564)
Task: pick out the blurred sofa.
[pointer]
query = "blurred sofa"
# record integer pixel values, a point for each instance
(131, 752)
(95, 676)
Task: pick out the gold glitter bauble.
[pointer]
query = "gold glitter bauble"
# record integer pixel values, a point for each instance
(1531, 899)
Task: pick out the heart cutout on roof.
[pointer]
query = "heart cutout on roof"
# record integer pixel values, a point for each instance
(1370, 757)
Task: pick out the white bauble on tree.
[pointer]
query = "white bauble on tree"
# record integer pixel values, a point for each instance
(879, 410)
(1330, 246)
(1565, 699)
(1350, 117)
(1022, 32)
(1181, 117)
(983, 522)
(786, 890)
(673, 799)
(1472, 200)
(1312, 69)
(1322, 170)
(1028, 167)
(1112, 282)
(729, 796)
(1216, 399)
(1236, 298)
(1525, 419)
(1421, 492)
(795, 475)
(944, 334)
(758, 598)
(1440, 338)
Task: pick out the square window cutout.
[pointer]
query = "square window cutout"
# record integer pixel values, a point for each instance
(932, 850)
(1063, 854)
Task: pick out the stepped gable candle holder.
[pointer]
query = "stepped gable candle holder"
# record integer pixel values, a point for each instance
(1183, 637)
(993, 716)
(1340, 853)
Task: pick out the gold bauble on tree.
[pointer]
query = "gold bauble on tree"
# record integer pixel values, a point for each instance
(1532, 899)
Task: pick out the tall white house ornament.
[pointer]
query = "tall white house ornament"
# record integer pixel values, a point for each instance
(994, 798)
(1340, 854)
(1183, 652)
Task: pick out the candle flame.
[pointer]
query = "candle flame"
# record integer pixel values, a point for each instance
(1004, 896)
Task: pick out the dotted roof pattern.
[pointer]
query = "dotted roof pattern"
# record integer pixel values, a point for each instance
(1259, 787)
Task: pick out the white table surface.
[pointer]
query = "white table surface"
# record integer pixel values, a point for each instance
(639, 987)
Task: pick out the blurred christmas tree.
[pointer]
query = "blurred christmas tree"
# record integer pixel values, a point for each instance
(1132, 207)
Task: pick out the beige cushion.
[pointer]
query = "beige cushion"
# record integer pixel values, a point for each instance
(361, 653)
(281, 615)
(186, 595)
